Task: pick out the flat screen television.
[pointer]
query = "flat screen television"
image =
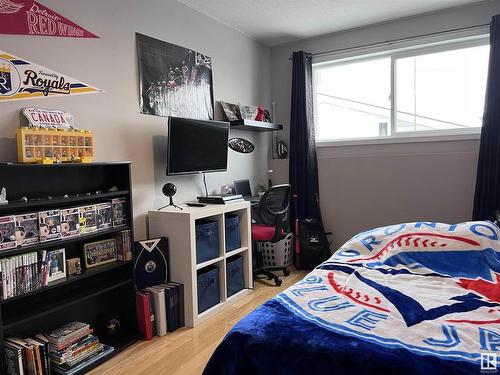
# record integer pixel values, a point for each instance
(196, 146)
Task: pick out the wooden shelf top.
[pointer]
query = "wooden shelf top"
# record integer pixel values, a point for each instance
(256, 126)
(201, 212)
(37, 312)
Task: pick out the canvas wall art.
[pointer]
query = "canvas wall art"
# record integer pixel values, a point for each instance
(173, 80)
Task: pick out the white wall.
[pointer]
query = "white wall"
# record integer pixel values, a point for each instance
(241, 73)
(374, 185)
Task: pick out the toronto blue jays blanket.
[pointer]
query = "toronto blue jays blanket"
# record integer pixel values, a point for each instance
(414, 298)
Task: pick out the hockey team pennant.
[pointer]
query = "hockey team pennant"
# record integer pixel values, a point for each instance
(33, 18)
(21, 79)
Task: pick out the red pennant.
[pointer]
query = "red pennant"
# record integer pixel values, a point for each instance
(33, 18)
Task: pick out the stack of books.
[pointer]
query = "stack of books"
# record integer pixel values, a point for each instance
(160, 309)
(66, 350)
(73, 345)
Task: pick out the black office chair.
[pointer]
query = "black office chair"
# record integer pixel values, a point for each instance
(272, 224)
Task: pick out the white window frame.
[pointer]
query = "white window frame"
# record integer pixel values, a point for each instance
(395, 54)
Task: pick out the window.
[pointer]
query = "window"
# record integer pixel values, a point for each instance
(437, 90)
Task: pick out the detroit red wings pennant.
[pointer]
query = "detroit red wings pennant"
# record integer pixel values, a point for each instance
(33, 18)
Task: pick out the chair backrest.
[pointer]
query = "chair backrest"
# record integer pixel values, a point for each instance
(273, 208)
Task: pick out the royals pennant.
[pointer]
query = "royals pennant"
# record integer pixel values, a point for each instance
(21, 79)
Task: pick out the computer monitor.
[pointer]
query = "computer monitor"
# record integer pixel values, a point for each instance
(243, 187)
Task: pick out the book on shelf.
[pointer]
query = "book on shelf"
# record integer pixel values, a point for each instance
(14, 358)
(66, 333)
(158, 295)
(145, 314)
(160, 309)
(171, 304)
(180, 301)
(124, 245)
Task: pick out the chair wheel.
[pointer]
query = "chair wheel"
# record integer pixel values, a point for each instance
(278, 281)
(286, 272)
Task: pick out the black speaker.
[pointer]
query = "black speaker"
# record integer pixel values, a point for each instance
(169, 191)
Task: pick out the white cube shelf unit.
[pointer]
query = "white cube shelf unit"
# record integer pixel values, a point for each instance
(179, 227)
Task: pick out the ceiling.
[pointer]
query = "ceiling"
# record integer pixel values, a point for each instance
(274, 22)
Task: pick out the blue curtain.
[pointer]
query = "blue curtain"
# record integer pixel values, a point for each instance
(303, 166)
(487, 197)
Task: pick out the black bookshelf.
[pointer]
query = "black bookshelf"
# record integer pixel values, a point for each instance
(98, 294)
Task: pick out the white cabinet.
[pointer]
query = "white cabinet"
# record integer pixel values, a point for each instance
(179, 227)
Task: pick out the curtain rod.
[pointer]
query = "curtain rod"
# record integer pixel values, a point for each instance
(389, 42)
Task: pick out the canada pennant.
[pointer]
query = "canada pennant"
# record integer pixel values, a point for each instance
(32, 18)
(21, 79)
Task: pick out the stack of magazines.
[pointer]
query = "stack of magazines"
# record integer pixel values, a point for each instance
(73, 347)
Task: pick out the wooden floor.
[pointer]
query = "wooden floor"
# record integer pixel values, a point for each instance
(187, 350)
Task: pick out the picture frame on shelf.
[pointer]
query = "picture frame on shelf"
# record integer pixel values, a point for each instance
(57, 265)
(98, 253)
(74, 267)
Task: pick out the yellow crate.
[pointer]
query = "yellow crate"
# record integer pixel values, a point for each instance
(52, 146)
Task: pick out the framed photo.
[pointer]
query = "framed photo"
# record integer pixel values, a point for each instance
(56, 260)
(73, 266)
(231, 111)
(99, 253)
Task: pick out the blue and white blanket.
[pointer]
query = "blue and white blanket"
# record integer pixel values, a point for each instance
(414, 298)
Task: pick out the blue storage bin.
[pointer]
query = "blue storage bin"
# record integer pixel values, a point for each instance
(207, 240)
(208, 288)
(233, 237)
(234, 275)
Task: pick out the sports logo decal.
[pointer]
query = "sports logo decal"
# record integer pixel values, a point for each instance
(21, 79)
(9, 7)
(428, 287)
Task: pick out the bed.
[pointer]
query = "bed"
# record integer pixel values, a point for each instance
(413, 298)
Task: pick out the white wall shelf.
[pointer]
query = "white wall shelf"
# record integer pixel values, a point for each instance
(179, 227)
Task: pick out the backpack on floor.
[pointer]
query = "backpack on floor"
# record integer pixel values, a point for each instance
(314, 247)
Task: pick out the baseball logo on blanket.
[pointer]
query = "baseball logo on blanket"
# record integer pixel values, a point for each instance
(431, 288)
